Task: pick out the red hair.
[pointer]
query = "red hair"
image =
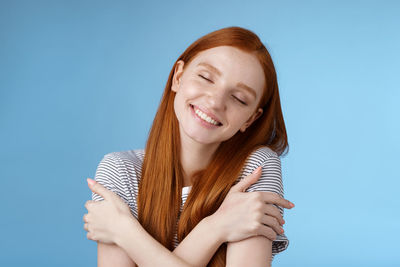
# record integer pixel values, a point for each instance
(161, 182)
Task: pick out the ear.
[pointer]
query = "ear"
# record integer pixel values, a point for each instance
(253, 117)
(177, 75)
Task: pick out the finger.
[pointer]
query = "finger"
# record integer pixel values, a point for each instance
(99, 189)
(85, 226)
(267, 232)
(247, 181)
(85, 219)
(274, 212)
(89, 203)
(89, 236)
(274, 198)
(273, 223)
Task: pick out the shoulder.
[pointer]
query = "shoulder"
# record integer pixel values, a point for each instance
(271, 176)
(120, 171)
(134, 156)
(120, 161)
(261, 155)
(115, 163)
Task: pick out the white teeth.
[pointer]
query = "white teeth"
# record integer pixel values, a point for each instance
(205, 117)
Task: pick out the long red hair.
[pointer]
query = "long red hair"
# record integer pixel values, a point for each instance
(161, 182)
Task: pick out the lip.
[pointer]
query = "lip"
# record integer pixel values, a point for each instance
(200, 120)
(207, 112)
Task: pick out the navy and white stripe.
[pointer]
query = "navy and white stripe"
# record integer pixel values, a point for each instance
(120, 172)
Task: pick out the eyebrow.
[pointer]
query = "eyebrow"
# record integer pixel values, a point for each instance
(239, 84)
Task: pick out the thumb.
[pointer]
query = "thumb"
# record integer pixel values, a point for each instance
(98, 188)
(247, 181)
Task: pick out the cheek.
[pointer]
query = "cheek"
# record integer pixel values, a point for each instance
(180, 104)
(177, 105)
(191, 89)
(238, 118)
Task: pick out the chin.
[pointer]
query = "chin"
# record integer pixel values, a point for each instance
(202, 140)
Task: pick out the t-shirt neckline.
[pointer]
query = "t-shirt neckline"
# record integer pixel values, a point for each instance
(186, 189)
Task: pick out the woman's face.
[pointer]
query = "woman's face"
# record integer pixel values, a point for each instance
(217, 94)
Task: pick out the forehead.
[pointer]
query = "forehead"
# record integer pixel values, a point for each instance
(234, 64)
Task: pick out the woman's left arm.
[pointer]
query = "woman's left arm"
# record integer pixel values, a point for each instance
(146, 250)
(253, 251)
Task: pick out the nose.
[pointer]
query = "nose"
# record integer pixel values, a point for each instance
(216, 100)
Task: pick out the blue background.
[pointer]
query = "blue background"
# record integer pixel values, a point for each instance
(80, 79)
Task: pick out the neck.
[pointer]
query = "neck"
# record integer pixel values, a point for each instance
(194, 157)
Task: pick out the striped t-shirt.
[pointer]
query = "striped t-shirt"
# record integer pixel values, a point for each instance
(120, 172)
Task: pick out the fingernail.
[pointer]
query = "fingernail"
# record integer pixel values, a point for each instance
(282, 231)
(283, 221)
(291, 204)
(90, 181)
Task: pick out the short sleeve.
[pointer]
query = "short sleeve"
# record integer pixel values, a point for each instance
(270, 181)
(109, 174)
(106, 174)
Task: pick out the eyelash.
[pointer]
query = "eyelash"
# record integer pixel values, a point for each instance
(240, 101)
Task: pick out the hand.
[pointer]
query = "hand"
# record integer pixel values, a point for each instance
(106, 220)
(246, 214)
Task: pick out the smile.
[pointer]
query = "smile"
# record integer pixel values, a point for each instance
(204, 117)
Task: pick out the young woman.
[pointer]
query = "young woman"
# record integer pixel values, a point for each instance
(181, 201)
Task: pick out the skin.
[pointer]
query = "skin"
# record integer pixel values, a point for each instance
(248, 221)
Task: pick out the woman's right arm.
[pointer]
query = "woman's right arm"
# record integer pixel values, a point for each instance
(112, 255)
(197, 248)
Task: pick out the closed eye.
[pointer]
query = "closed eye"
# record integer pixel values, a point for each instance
(241, 101)
(205, 78)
